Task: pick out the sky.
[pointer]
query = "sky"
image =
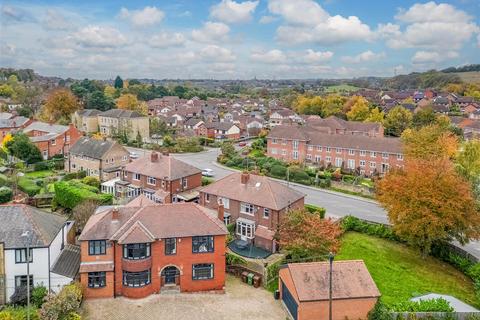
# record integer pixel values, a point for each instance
(235, 39)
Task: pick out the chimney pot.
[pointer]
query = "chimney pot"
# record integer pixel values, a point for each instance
(244, 177)
(154, 157)
(221, 210)
(115, 214)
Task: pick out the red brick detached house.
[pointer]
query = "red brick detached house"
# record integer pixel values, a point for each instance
(366, 154)
(138, 251)
(304, 290)
(52, 139)
(161, 178)
(254, 203)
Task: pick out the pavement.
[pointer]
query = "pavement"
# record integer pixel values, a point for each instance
(336, 204)
(240, 302)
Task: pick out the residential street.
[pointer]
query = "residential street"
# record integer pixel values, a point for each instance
(336, 204)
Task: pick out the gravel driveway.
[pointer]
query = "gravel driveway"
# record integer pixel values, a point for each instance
(240, 302)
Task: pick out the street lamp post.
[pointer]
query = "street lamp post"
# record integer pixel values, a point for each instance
(26, 234)
(331, 256)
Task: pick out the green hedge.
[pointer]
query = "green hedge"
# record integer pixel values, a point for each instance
(6, 194)
(69, 194)
(315, 209)
(430, 305)
(75, 175)
(350, 223)
(19, 313)
(28, 186)
(4, 180)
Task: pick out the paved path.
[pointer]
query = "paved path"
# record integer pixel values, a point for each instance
(337, 204)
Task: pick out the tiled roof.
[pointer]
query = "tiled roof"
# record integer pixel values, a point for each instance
(141, 201)
(46, 127)
(161, 221)
(92, 148)
(351, 279)
(119, 113)
(259, 190)
(68, 262)
(16, 219)
(165, 166)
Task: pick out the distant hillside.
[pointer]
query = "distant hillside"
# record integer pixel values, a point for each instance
(429, 79)
(467, 68)
(469, 77)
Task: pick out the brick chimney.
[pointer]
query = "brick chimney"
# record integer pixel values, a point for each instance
(154, 157)
(221, 210)
(115, 214)
(244, 177)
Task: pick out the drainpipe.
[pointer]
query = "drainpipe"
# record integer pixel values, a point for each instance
(114, 270)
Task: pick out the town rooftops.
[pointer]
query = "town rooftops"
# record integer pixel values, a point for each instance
(46, 127)
(254, 189)
(351, 279)
(161, 167)
(119, 113)
(92, 148)
(334, 123)
(13, 122)
(89, 112)
(137, 224)
(42, 227)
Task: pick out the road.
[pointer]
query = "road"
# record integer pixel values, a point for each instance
(336, 204)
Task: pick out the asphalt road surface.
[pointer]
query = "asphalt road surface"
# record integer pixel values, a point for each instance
(336, 204)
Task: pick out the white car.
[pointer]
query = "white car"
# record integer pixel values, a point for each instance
(134, 155)
(207, 172)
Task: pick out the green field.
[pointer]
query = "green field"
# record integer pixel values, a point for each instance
(341, 88)
(400, 273)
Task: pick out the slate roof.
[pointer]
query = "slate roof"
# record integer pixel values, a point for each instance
(46, 127)
(92, 148)
(16, 219)
(259, 190)
(13, 122)
(351, 280)
(68, 262)
(165, 166)
(172, 220)
(89, 112)
(119, 113)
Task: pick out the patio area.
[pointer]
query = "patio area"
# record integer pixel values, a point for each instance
(248, 250)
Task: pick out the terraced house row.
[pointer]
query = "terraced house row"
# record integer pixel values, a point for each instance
(362, 152)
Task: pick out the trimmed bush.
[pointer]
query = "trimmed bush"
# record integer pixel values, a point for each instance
(75, 175)
(350, 223)
(6, 194)
(91, 181)
(431, 305)
(315, 209)
(206, 181)
(278, 171)
(69, 194)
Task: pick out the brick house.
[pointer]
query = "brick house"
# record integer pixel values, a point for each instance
(335, 125)
(161, 178)
(52, 139)
(223, 130)
(13, 125)
(102, 159)
(254, 203)
(367, 155)
(138, 251)
(304, 290)
(197, 125)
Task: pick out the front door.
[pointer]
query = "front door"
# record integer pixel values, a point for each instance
(170, 275)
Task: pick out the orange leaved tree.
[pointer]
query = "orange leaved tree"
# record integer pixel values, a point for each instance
(304, 234)
(428, 201)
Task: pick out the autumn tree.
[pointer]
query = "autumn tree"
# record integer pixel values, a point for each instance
(83, 211)
(428, 201)
(397, 120)
(375, 115)
(358, 109)
(423, 117)
(129, 101)
(304, 234)
(430, 142)
(468, 164)
(60, 104)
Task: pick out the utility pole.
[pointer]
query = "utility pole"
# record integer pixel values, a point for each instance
(331, 256)
(26, 235)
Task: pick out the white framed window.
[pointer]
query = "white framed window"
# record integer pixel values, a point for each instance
(274, 141)
(400, 156)
(295, 144)
(284, 152)
(328, 159)
(207, 197)
(53, 142)
(373, 164)
(136, 176)
(273, 151)
(319, 148)
(338, 162)
(152, 181)
(351, 163)
(247, 208)
(245, 229)
(309, 156)
(310, 148)
(318, 159)
(295, 155)
(184, 182)
(363, 153)
(373, 154)
(338, 150)
(226, 202)
(362, 163)
(385, 155)
(124, 158)
(351, 152)
(266, 213)
(328, 149)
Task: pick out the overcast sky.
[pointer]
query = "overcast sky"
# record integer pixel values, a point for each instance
(237, 39)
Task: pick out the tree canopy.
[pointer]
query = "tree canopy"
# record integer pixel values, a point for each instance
(22, 148)
(397, 120)
(60, 103)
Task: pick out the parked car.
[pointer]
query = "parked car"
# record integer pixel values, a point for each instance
(207, 172)
(134, 155)
(242, 144)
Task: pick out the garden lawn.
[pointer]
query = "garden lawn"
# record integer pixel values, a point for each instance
(399, 271)
(39, 174)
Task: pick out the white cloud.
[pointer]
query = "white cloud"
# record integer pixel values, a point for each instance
(307, 22)
(146, 17)
(165, 40)
(55, 21)
(211, 32)
(230, 11)
(216, 54)
(101, 37)
(273, 56)
(430, 26)
(267, 19)
(312, 56)
(478, 40)
(421, 57)
(365, 56)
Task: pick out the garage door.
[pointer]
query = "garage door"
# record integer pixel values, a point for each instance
(289, 301)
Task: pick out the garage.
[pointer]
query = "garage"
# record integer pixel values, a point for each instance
(289, 301)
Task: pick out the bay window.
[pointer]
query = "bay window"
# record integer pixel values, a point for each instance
(136, 279)
(136, 251)
(202, 271)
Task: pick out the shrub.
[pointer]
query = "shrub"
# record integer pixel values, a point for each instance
(75, 175)
(91, 181)
(18, 313)
(60, 306)
(430, 305)
(278, 171)
(379, 312)
(315, 209)
(233, 259)
(28, 186)
(231, 228)
(38, 295)
(4, 180)
(206, 181)
(350, 223)
(69, 194)
(40, 166)
(6, 194)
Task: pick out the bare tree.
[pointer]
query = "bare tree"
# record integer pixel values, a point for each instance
(83, 211)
